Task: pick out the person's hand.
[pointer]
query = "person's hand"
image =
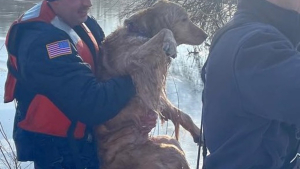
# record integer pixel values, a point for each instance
(148, 122)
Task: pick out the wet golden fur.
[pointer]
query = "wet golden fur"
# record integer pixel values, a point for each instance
(142, 48)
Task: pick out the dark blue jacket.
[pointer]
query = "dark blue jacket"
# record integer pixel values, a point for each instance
(252, 90)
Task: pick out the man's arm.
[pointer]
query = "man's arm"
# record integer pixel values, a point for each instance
(70, 84)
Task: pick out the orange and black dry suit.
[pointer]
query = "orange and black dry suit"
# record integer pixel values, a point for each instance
(51, 77)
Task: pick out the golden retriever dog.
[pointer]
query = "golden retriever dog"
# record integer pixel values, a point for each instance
(143, 48)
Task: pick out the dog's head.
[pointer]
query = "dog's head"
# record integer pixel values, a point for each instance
(165, 14)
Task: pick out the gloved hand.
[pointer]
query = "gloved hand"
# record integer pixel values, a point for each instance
(148, 122)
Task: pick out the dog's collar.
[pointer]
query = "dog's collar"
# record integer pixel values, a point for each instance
(131, 27)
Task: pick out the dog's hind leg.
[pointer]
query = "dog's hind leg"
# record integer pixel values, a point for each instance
(179, 117)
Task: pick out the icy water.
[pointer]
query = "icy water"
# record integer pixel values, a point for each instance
(180, 90)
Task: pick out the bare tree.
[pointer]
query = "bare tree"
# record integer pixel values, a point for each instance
(210, 15)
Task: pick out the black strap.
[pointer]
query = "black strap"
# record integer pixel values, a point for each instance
(87, 40)
(98, 34)
(74, 146)
(201, 143)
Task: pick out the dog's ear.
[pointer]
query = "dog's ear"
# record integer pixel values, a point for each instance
(136, 23)
(127, 22)
(131, 24)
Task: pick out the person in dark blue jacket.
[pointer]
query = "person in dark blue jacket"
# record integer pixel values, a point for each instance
(251, 112)
(53, 48)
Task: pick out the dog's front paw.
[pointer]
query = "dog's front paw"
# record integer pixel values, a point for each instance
(170, 45)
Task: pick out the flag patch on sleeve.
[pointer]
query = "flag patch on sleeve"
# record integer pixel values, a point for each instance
(59, 48)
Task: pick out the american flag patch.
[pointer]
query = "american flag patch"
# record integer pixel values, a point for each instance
(59, 48)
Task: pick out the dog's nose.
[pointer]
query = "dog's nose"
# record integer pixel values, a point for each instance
(173, 56)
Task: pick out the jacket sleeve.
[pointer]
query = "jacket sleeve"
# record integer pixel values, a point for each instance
(267, 71)
(70, 84)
